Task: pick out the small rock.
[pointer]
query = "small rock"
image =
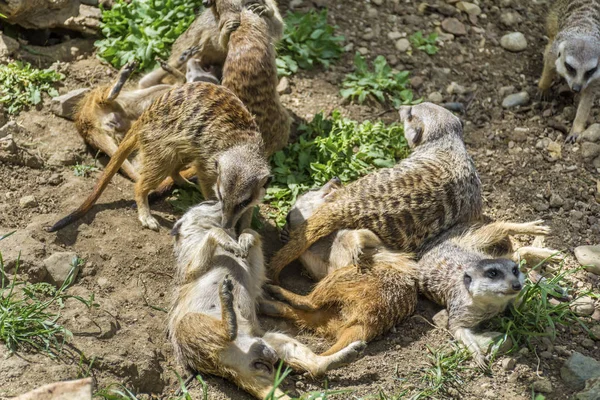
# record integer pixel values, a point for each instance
(539, 206)
(416, 82)
(455, 88)
(64, 106)
(595, 332)
(506, 90)
(10, 128)
(515, 100)
(542, 386)
(589, 256)
(520, 134)
(435, 97)
(454, 106)
(583, 306)
(394, 35)
(102, 282)
(372, 12)
(59, 265)
(508, 364)
(441, 319)
(587, 343)
(284, 86)
(363, 50)
(556, 201)
(514, 41)
(591, 134)
(377, 2)
(578, 369)
(454, 26)
(296, 4)
(402, 45)
(511, 19)
(55, 179)
(8, 46)
(63, 158)
(469, 8)
(28, 201)
(546, 355)
(590, 150)
(576, 215)
(591, 391)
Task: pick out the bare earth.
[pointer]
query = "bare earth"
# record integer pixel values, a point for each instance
(129, 269)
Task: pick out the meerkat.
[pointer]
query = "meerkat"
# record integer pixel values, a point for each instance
(573, 29)
(434, 188)
(473, 272)
(213, 323)
(366, 288)
(201, 124)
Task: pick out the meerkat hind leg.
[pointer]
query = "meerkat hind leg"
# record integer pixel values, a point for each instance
(536, 255)
(492, 234)
(351, 334)
(548, 73)
(295, 300)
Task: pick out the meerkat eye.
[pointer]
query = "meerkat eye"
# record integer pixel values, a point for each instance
(244, 204)
(570, 68)
(590, 72)
(492, 273)
(515, 271)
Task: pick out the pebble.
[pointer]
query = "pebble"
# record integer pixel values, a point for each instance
(520, 134)
(590, 150)
(454, 26)
(58, 266)
(416, 82)
(589, 256)
(402, 45)
(515, 100)
(372, 12)
(506, 90)
(514, 41)
(469, 8)
(578, 369)
(55, 179)
(511, 19)
(454, 106)
(587, 343)
(27, 201)
(556, 201)
(284, 86)
(64, 106)
(583, 306)
(435, 97)
(542, 386)
(377, 2)
(595, 332)
(102, 282)
(591, 134)
(508, 364)
(546, 355)
(441, 319)
(394, 35)
(10, 128)
(363, 50)
(455, 88)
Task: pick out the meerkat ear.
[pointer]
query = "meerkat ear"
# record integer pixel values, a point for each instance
(175, 230)
(467, 279)
(268, 181)
(414, 135)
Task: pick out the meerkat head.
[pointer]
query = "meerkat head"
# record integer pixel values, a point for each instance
(196, 73)
(577, 61)
(306, 204)
(96, 112)
(426, 122)
(493, 281)
(243, 175)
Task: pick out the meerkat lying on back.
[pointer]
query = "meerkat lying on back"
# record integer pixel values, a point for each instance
(434, 188)
(460, 270)
(201, 124)
(213, 324)
(367, 288)
(573, 27)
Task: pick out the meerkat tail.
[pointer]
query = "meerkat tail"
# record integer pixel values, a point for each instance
(323, 222)
(125, 148)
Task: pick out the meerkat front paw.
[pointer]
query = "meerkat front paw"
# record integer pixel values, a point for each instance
(482, 362)
(226, 29)
(536, 228)
(572, 138)
(246, 241)
(260, 9)
(150, 222)
(188, 53)
(348, 355)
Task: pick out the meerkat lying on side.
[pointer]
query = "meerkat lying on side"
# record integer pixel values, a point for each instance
(367, 288)
(201, 124)
(573, 27)
(213, 324)
(434, 188)
(460, 270)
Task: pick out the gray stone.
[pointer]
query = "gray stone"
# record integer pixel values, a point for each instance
(377, 2)
(590, 150)
(64, 106)
(514, 42)
(454, 26)
(506, 90)
(435, 97)
(578, 369)
(587, 343)
(27, 201)
(542, 386)
(511, 19)
(10, 128)
(402, 45)
(455, 88)
(591, 134)
(22, 246)
(589, 256)
(59, 265)
(63, 158)
(546, 354)
(591, 391)
(8, 46)
(508, 364)
(441, 319)
(394, 35)
(556, 201)
(284, 86)
(363, 51)
(520, 134)
(595, 332)
(583, 306)
(515, 100)
(10, 153)
(596, 163)
(469, 8)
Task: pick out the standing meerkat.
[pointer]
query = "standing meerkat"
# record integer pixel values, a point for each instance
(201, 124)
(434, 188)
(367, 289)
(213, 324)
(461, 271)
(573, 27)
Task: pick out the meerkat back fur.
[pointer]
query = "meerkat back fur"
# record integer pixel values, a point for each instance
(212, 322)
(434, 188)
(573, 27)
(461, 270)
(201, 124)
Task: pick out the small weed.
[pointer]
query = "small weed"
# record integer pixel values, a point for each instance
(329, 147)
(143, 29)
(27, 321)
(84, 170)
(22, 86)
(446, 373)
(115, 391)
(425, 43)
(381, 84)
(308, 41)
(185, 198)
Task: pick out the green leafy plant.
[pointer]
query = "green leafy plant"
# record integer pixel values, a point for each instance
(425, 43)
(308, 41)
(329, 147)
(143, 30)
(22, 86)
(84, 169)
(381, 84)
(28, 320)
(184, 198)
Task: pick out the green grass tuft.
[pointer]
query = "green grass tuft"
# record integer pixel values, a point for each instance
(329, 147)
(425, 43)
(143, 30)
(381, 84)
(22, 86)
(84, 170)
(308, 41)
(446, 373)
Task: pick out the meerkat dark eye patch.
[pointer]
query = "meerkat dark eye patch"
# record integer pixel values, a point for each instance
(570, 69)
(515, 271)
(492, 273)
(589, 73)
(243, 204)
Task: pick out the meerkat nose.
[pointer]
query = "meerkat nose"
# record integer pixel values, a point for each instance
(576, 88)
(516, 286)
